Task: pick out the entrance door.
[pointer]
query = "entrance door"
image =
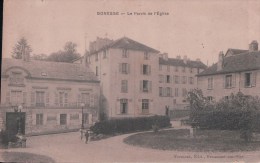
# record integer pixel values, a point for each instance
(12, 123)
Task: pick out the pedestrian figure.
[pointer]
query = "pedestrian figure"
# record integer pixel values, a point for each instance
(81, 133)
(86, 136)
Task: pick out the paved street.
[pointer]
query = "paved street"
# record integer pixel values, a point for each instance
(69, 148)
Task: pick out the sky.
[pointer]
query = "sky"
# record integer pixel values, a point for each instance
(195, 28)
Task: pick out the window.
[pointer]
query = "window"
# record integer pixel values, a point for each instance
(96, 70)
(145, 106)
(160, 91)
(184, 92)
(96, 57)
(228, 81)
(40, 98)
(226, 97)
(63, 119)
(123, 106)
(176, 79)
(210, 83)
(191, 80)
(16, 97)
(39, 119)
(174, 101)
(124, 53)
(184, 80)
(210, 98)
(191, 70)
(124, 68)
(63, 99)
(85, 98)
(168, 68)
(176, 92)
(183, 69)
(146, 69)
(124, 87)
(160, 67)
(145, 85)
(161, 78)
(176, 69)
(16, 78)
(104, 54)
(250, 79)
(168, 91)
(146, 55)
(168, 78)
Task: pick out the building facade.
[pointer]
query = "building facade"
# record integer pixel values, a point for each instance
(51, 96)
(236, 71)
(176, 78)
(126, 70)
(136, 80)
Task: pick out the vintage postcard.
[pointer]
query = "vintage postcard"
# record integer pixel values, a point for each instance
(130, 81)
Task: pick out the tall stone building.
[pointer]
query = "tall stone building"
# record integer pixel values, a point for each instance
(236, 71)
(136, 80)
(176, 78)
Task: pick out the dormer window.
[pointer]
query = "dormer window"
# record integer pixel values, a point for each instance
(146, 55)
(125, 53)
(16, 78)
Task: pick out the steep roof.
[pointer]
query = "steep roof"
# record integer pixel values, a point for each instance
(180, 62)
(237, 63)
(51, 70)
(127, 43)
(236, 51)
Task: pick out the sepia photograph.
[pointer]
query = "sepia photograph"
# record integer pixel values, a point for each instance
(111, 81)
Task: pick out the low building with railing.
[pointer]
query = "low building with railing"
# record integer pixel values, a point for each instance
(47, 96)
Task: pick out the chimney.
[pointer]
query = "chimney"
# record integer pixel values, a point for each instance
(253, 46)
(185, 59)
(165, 56)
(220, 61)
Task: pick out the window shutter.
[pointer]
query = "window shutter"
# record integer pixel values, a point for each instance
(150, 86)
(170, 92)
(8, 98)
(128, 68)
(92, 101)
(79, 99)
(254, 75)
(233, 80)
(120, 67)
(34, 119)
(56, 99)
(32, 98)
(141, 69)
(149, 69)
(24, 98)
(47, 99)
(126, 86)
(243, 81)
(141, 85)
(224, 81)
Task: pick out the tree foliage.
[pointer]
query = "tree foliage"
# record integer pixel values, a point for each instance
(238, 112)
(68, 54)
(41, 57)
(20, 48)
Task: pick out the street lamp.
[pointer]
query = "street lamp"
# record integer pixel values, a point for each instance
(82, 118)
(20, 107)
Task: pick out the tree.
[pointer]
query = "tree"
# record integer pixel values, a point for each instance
(67, 55)
(41, 57)
(21, 48)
